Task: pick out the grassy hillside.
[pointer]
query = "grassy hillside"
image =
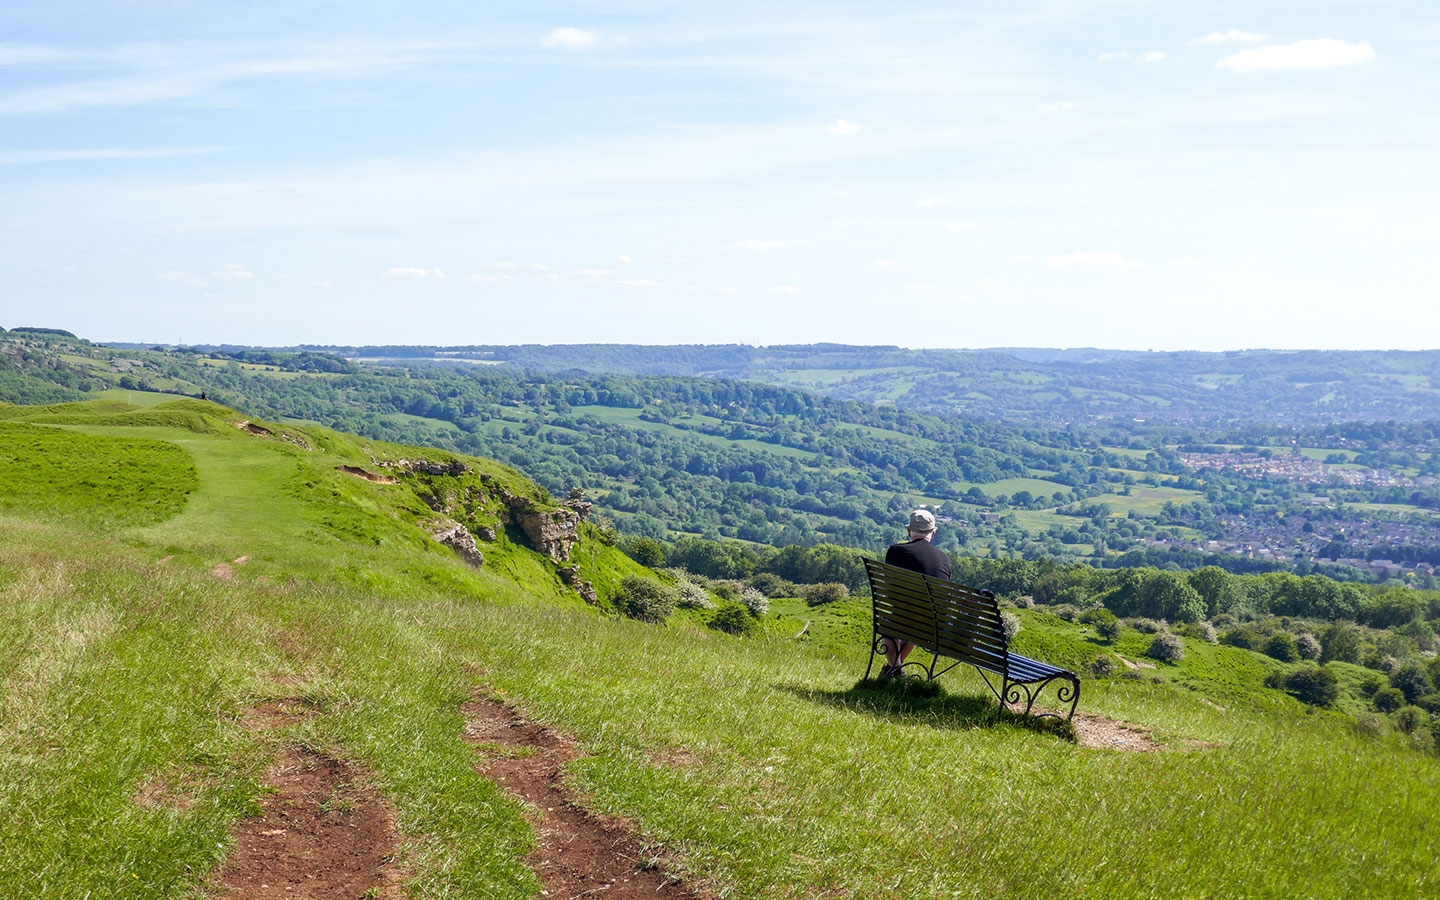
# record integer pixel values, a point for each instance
(132, 645)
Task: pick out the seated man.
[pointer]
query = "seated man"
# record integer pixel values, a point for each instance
(917, 554)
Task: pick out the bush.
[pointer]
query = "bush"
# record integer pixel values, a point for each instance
(1011, 624)
(1166, 647)
(1308, 645)
(1430, 703)
(734, 620)
(772, 585)
(1066, 612)
(1109, 629)
(646, 551)
(1387, 700)
(692, 596)
(756, 603)
(1412, 680)
(1102, 666)
(1147, 626)
(1224, 620)
(645, 599)
(830, 592)
(1369, 724)
(1411, 719)
(1281, 646)
(1371, 684)
(1097, 615)
(1314, 685)
(1243, 637)
(1201, 631)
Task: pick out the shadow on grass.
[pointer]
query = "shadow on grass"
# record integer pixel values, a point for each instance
(914, 701)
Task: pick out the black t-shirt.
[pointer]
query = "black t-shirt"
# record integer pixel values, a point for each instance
(920, 556)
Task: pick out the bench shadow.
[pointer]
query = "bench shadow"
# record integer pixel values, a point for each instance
(913, 701)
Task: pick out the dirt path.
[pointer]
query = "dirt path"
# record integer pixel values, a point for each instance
(322, 835)
(577, 853)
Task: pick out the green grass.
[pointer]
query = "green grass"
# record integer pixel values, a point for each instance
(119, 670)
(99, 481)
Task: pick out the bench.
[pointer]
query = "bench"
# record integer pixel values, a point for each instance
(962, 624)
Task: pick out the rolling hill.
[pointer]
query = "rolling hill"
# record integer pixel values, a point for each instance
(198, 605)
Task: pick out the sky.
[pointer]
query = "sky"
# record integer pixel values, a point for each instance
(1103, 173)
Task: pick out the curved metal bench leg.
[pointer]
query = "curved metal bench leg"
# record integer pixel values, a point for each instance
(874, 645)
(1067, 692)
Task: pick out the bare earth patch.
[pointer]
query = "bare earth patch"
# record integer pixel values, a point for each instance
(1099, 732)
(368, 475)
(225, 571)
(577, 853)
(1131, 664)
(323, 834)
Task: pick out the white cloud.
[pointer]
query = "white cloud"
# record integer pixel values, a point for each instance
(502, 265)
(1101, 259)
(624, 259)
(843, 127)
(642, 283)
(234, 272)
(1229, 36)
(596, 273)
(786, 289)
(322, 284)
(1154, 56)
(937, 200)
(1056, 106)
(547, 276)
(766, 246)
(1112, 57)
(1322, 53)
(485, 278)
(181, 277)
(538, 267)
(570, 39)
(412, 272)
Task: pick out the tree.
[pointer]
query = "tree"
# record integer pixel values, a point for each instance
(1387, 700)
(1412, 680)
(1314, 685)
(1341, 642)
(1166, 647)
(1282, 646)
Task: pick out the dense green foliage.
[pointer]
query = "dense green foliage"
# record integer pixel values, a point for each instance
(1026, 385)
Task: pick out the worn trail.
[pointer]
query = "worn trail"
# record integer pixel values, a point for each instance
(577, 853)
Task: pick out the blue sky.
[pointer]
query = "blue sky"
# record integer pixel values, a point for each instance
(1117, 174)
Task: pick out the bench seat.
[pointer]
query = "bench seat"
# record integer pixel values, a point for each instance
(959, 623)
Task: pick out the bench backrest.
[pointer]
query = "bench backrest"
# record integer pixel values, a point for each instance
(944, 617)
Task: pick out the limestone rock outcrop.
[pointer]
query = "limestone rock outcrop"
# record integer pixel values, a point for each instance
(551, 530)
(458, 538)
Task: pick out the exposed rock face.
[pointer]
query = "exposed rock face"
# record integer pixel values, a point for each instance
(485, 533)
(581, 508)
(427, 467)
(571, 576)
(458, 538)
(551, 531)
